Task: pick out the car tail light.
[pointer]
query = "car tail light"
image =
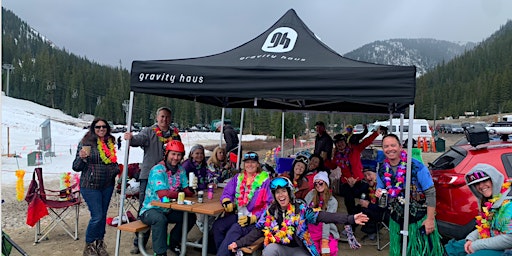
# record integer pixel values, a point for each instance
(451, 180)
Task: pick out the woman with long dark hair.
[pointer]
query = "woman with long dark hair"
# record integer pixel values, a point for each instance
(96, 159)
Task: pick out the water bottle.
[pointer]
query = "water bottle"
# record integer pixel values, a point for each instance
(210, 191)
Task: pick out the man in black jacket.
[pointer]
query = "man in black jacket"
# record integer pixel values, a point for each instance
(231, 139)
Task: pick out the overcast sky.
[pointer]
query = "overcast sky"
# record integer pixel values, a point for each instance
(125, 30)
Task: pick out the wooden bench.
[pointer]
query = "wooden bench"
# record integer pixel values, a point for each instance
(254, 248)
(141, 228)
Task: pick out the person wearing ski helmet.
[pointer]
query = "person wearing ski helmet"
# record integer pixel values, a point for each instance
(286, 214)
(166, 180)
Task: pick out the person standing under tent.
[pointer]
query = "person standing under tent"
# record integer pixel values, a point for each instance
(96, 159)
(231, 138)
(152, 140)
(493, 233)
(323, 142)
(423, 237)
(348, 158)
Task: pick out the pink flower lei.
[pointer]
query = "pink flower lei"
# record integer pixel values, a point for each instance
(394, 190)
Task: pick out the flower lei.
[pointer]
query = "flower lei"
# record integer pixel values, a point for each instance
(280, 233)
(483, 221)
(394, 190)
(373, 198)
(160, 136)
(174, 180)
(20, 189)
(107, 151)
(341, 158)
(244, 191)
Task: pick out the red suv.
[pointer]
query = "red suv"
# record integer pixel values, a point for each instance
(456, 206)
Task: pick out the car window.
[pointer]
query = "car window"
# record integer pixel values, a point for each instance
(449, 159)
(507, 163)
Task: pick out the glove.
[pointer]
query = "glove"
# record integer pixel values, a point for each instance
(326, 250)
(246, 220)
(228, 205)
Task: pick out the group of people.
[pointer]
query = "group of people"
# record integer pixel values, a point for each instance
(295, 212)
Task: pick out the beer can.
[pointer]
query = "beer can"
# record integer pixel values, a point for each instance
(200, 196)
(181, 197)
(383, 200)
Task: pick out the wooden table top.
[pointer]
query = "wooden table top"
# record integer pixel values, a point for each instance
(208, 207)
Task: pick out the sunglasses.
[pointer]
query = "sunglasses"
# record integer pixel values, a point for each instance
(250, 156)
(278, 183)
(100, 126)
(319, 183)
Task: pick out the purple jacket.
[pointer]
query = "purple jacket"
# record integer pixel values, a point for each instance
(261, 199)
(201, 173)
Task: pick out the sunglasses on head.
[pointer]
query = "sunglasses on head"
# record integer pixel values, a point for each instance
(100, 126)
(278, 183)
(252, 156)
(319, 183)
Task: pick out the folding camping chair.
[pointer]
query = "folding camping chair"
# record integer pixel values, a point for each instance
(383, 225)
(58, 208)
(131, 200)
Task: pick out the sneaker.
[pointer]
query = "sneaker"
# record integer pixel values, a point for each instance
(101, 248)
(176, 249)
(90, 250)
(372, 237)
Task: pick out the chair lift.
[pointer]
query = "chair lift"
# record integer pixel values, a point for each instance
(58, 209)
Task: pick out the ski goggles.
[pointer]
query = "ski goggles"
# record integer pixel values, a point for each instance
(279, 182)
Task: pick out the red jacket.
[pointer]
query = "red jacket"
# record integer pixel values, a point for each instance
(356, 166)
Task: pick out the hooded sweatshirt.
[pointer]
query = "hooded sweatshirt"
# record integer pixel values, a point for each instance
(501, 224)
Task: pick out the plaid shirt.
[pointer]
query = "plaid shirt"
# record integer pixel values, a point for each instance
(95, 173)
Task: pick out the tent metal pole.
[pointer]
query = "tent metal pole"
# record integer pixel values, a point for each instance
(240, 139)
(405, 231)
(390, 128)
(401, 128)
(125, 174)
(282, 134)
(222, 127)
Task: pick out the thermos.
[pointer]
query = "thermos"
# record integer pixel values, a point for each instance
(191, 178)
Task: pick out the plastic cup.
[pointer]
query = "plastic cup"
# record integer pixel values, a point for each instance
(87, 150)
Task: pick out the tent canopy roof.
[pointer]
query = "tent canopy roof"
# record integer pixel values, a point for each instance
(286, 67)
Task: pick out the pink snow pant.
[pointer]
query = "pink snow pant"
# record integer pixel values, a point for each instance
(316, 234)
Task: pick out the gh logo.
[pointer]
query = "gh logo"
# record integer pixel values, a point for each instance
(280, 40)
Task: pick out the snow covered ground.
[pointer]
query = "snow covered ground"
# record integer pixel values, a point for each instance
(21, 122)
